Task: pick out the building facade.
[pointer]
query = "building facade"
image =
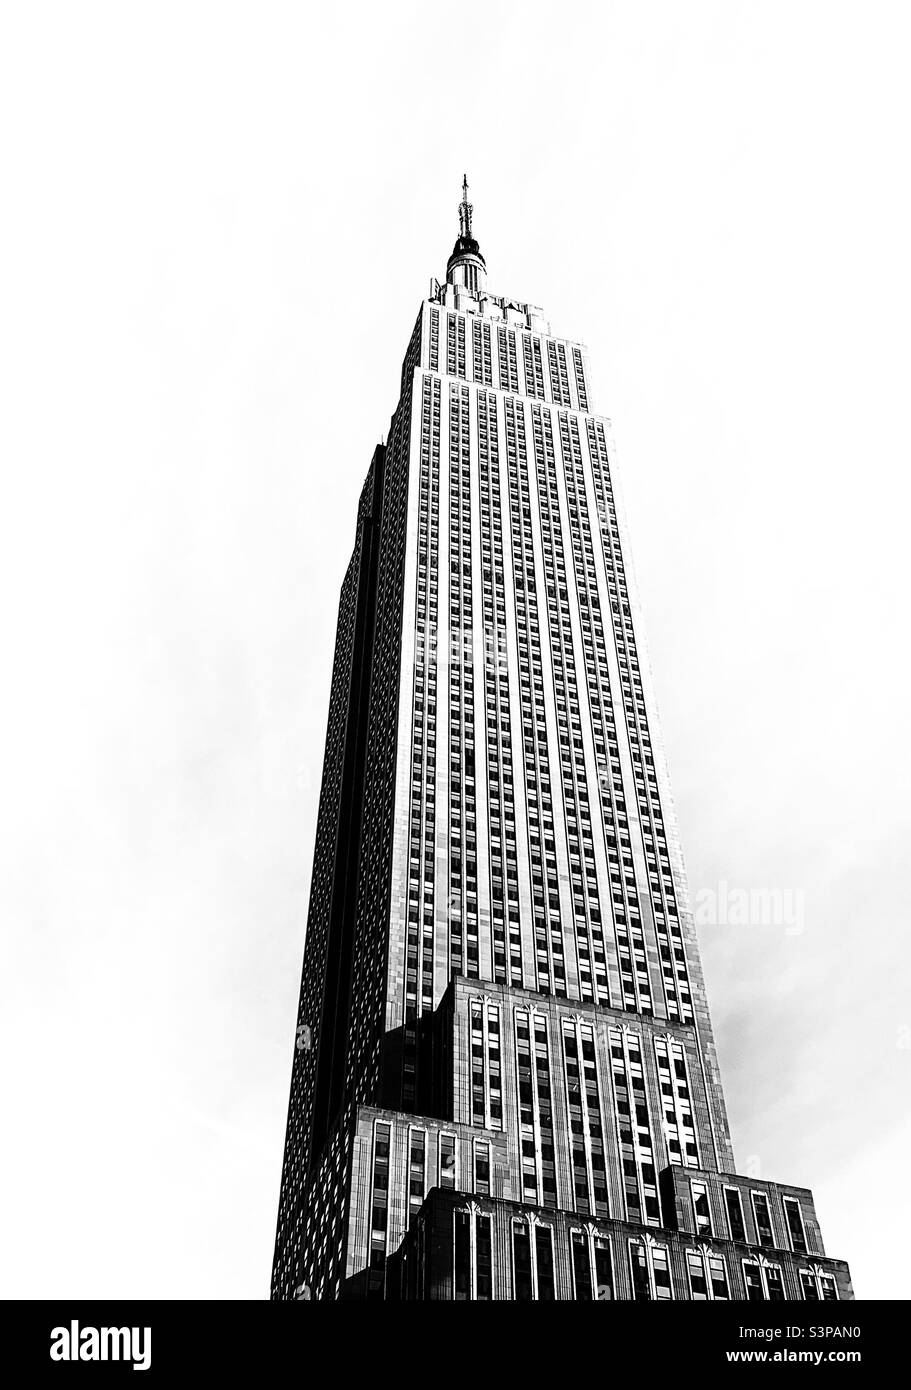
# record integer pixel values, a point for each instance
(505, 1084)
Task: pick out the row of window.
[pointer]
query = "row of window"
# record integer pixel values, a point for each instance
(594, 1276)
(435, 1163)
(510, 343)
(762, 1218)
(587, 1135)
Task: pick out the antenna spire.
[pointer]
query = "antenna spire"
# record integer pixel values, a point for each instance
(465, 210)
(466, 265)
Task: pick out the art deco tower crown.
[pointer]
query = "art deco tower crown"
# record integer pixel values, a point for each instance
(466, 266)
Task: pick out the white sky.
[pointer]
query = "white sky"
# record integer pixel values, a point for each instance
(219, 221)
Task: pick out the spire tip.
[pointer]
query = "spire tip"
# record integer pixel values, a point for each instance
(465, 210)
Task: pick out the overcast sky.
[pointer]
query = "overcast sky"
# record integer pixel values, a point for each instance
(219, 221)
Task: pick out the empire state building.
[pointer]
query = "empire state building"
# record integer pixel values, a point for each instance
(505, 1084)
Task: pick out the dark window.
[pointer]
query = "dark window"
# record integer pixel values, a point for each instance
(735, 1213)
(485, 1263)
(581, 1268)
(795, 1225)
(544, 1251)
(521, 1252)
(462, 1256)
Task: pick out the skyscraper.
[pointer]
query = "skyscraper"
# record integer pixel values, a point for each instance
(505, 1084)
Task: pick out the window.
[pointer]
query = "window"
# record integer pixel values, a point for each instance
(462, 1252)
(447, 1160)
(544, 1251)
(417, 1145)
(472, 1255)
(699, 1288)
(763, 1217)
(661, 1272)
(817, 1285)
(718, 1277)
(604, 1275)
(795, 1225)
(582, 1275)
(482, 1168)
(484, 1277)
(593, 1269)
(533, 1261)
(650, 1270)
(735, 1213)
(701, 1211)
(752, 1277)
(707, 1274)
(763, 1281)
(642, 1288)
(521, 1262)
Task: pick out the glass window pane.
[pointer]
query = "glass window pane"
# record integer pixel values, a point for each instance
(544, 1250)
(462, 1256)
(485, 1262)
(521, 1255)
(581, 1268)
